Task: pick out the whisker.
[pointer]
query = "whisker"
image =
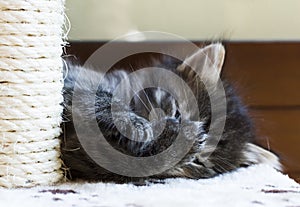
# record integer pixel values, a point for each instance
(136, 93)
(137, 82)
(268, 143)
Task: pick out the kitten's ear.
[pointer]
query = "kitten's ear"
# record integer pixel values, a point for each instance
(207, 61)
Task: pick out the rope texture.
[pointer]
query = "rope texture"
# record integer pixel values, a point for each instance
(30, 91)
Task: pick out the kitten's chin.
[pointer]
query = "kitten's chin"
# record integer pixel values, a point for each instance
(254, 154)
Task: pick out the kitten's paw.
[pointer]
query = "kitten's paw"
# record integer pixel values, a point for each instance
(134, 128)
(142, 131)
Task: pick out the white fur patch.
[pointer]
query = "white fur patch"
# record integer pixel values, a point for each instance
(256, 155)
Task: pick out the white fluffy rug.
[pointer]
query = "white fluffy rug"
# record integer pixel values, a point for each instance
(253, 186)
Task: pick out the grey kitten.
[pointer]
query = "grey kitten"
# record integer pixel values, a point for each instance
(235, 148)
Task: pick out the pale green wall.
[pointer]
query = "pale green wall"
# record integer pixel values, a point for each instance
(193, 19)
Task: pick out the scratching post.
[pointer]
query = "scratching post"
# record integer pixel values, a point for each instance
(30, 91)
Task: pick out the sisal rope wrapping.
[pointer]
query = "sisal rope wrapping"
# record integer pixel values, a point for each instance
(38, 157)
(42, 64)
(30, 91)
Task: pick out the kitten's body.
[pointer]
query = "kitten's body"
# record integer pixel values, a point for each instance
(234, 149)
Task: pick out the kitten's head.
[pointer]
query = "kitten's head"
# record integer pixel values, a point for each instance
(163, 109)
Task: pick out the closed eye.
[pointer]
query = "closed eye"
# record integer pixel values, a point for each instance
(177, 114)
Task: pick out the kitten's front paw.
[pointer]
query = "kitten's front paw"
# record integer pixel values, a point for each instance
(134, 127)
(142, 131)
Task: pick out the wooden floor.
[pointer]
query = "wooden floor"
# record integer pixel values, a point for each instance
(268, 79)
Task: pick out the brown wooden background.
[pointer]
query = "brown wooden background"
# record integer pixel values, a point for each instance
(268, 79)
